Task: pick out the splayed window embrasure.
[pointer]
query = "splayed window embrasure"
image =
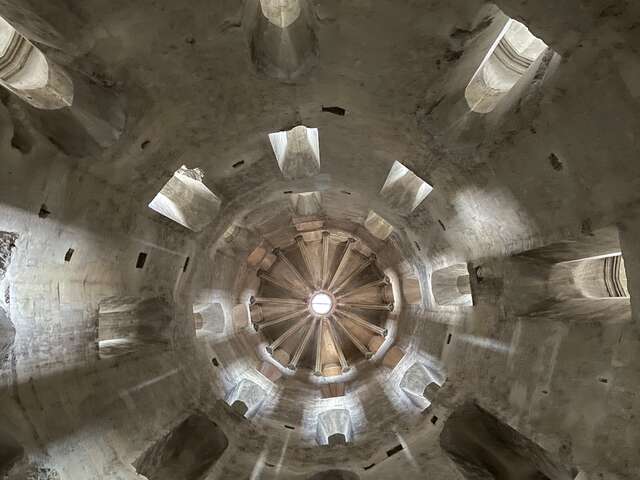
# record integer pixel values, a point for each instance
(297, 151)
(185, 199)
(403, 189)
(25, 71)
(508, 59)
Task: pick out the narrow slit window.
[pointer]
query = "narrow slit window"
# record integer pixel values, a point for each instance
(142, 258)
(510, 56)
(68, 255)
(394, 450)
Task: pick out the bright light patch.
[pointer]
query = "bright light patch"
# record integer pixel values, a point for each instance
(321, 304)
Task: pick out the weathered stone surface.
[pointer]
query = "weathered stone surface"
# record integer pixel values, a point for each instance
(187, 452)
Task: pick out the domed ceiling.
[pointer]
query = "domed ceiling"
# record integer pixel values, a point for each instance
(307, 239)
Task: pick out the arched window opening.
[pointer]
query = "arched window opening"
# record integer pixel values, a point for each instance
(334, 424)
(25, 71)
(246, 397)
(186, 200)
(297, 151)
(416, 382)
(283, 43)
(451, 286)
(403, 189)
(209, 318)
(601, 277)
(306, 204)
(281, 13)
(511, 55)
(378, 226)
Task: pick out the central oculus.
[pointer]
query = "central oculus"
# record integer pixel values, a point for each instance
(321, 303)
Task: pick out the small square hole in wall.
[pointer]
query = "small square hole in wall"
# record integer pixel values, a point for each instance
(68, 255)
(215, 362)
(186, 264)
(44, 212)
(434, 419)
(142, 258)
(395, 450)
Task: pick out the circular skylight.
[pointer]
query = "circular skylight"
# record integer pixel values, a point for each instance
(321, 303)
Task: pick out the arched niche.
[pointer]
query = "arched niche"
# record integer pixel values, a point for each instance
(25, 71)
(186, 200)
(403, 189)
(416, 381)
(334, 424)
(246, 397)
(281, 13)
(451, 286)
(283, 43)
(513, 52)
(297, 152)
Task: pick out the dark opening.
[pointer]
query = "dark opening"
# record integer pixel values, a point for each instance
(240, 408)
(442, 225)
(448, 339)
(238, 164)
(335, 110)
(269, 464)
(43, 213)
(68, 255)
(395, 450)
(288, 192)
(142, 257)
(603, 380)
(334, 475)
(215, 362)
(145, 144)
(556, 164)
(482, 446)
(369, 466)
(337, 439)
(434, 419)
(10, 452)
(186, 264)
(345, 192)
(187, 452)
(289, 427)
(417, 246)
